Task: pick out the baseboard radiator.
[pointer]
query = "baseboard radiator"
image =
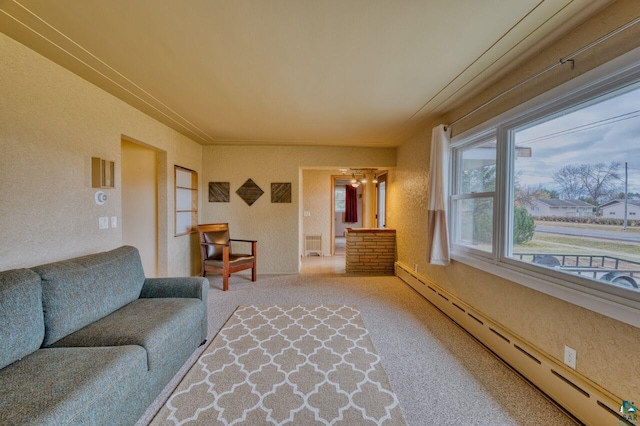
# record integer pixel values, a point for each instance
(581, 397)
(313, 244)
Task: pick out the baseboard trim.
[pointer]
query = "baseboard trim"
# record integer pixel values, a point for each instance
(578, 395)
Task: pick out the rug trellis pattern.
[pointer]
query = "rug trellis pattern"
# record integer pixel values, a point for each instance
(301, 365)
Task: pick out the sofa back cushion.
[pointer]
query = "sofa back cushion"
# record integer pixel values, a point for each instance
(21, 320)
(77, 292)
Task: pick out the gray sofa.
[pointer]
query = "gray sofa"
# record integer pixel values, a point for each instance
(90, 341)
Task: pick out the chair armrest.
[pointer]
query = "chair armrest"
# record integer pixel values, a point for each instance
(254, 245)
(184, 287)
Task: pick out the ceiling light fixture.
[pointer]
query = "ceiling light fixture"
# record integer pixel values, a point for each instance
(362, 176)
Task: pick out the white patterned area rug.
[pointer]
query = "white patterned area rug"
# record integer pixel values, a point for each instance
(277, 365)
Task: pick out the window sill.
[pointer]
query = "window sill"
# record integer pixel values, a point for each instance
(604, 303)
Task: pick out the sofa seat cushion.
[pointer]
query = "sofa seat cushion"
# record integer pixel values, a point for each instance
(21, 318)
(158, 325)
(73, 386)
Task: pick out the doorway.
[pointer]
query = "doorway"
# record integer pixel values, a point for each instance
(140, 203)
(339, 228)
(323, 217)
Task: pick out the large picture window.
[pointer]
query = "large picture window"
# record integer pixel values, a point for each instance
(553, 191)
(574, 177)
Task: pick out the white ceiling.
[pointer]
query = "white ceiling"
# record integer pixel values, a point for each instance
(330, 72)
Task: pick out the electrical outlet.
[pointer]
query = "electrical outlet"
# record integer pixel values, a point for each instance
(307, 213)
(103, 222)
(570, 356)
(415, 267)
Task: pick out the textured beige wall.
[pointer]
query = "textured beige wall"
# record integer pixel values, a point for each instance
(613, 17)
(277, 227)
(607, 349)
(51, 123)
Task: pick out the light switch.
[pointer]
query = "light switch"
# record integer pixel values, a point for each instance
(103, 222)
(307, 213)
(114, 221)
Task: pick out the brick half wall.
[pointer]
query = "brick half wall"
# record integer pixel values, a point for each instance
(371, 251)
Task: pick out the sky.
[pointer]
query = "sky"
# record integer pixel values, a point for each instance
(610, 132)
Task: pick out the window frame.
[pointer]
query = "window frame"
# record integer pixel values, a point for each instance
(456, 195)
(193, 191)
(343, 190)
(615, 302)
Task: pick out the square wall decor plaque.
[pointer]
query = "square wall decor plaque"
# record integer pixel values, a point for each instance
(250, 192)
(281, 192)
(218, 192)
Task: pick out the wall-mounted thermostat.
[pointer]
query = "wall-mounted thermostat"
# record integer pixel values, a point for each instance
(100, 197)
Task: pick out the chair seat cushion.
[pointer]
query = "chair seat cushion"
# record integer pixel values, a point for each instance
(158, 325)
(234, 260)
(74, 386)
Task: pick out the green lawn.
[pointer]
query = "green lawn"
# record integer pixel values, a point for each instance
(589, 226)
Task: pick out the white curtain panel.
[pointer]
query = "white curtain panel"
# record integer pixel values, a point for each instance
(438, 234)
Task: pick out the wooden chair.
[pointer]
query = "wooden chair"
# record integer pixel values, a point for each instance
(215, 246)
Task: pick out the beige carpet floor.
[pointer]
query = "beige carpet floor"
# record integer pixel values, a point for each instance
(276, 365)
(440, 374)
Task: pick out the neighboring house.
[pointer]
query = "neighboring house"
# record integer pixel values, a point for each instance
(556, 207)
(615, 209)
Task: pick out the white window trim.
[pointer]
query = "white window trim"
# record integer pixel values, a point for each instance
(617, 303)
(343, 191)
(454, 185)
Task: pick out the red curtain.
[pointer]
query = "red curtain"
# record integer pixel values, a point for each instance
(351, 205)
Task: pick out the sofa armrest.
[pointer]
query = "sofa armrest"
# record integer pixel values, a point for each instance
(193, 287)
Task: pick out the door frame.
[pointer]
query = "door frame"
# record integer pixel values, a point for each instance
(162, 220)
(382, 177)
(332, 232)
